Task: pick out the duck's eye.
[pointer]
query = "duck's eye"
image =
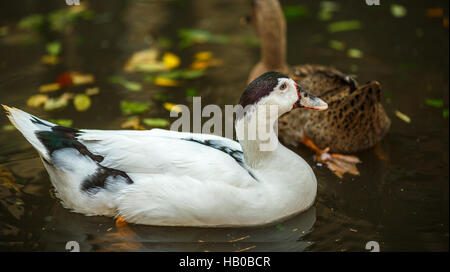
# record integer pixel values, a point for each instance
(283, 86)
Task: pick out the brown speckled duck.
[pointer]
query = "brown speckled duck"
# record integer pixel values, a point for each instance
(355, 120)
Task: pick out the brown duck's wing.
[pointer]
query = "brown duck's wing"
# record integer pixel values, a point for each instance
(355, 120)
(320, 80)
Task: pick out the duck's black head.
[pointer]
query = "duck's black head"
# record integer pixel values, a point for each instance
(273, 88)
(261, 87)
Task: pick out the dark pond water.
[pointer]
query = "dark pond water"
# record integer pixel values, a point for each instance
(401, 201)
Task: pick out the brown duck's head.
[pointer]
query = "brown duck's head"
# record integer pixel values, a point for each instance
(270, 25)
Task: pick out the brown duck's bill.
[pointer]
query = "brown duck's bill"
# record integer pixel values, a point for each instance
(307, 100)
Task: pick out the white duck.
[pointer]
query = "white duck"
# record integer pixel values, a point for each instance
(169, 178)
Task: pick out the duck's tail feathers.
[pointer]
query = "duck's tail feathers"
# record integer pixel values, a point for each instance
(29, 126)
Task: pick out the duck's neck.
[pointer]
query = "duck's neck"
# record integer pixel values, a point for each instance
(257, 134)
(271, 27)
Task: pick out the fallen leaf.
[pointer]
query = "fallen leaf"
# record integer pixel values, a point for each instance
(82, 102)
(133, 122)
(92, 91)
(162, 97)
(354, 53)
(37, 100)
(344, 26)
(204, 55)
(167, 82)
(52, 60)
(327, 8)
(65, 79)
(434, 12)
(31, 22)
(437, 103)
(445, 113)
(398, 11)
(190, 92)
(130, 85)
(155, 122)
(52, 87)
(280, 226)
(403, 116)
(55, 103)
(171, 60)
(172, 107)
(201, 65)
(132, 107)
(62, 122)
(292, 12)
(145, 60)
(53, 48)
(8, 128)
(79, 78)
(191, 36)
(336, 45)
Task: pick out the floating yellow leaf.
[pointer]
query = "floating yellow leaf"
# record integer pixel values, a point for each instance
(162, 81)
(172, 107)
(49, 87)
(203, 64)
(133, 123)
(171, 60)
(203, 56)
(403, 116)
(82, 102)
(92, 91)
(199, 65)
(145, 60)
(49, 59)
(55, 103)
(37, 100)
(79, 78)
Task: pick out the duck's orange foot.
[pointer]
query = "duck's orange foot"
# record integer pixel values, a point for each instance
(339, 164)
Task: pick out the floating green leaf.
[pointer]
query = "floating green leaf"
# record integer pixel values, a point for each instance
(8, 128)
(191, 36)
(354, 53)
(398, 11)
(191, 92)
(327, 8)
(437, 103)
(445, 113)
(336, 45)
(280, 226)
(162, 97)
(62, 122)
(53, 48)
(82, 102)
(295, 12)
(32, 22)
(130, 85)
(132, 107)
(344, 26)
(155, 122)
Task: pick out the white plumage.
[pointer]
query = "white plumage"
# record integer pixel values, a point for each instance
(161, 177)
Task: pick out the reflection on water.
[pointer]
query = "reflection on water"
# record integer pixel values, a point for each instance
(400, 199)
